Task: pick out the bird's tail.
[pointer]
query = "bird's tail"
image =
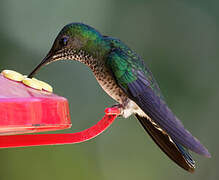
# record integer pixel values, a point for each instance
(175, 151)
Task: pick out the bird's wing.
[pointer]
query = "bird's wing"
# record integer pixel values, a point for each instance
(175, 151)
(132, 76)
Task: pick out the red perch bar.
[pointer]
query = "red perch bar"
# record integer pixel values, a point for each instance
(26, 110)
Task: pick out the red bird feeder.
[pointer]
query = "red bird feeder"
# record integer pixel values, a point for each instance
(26, 110)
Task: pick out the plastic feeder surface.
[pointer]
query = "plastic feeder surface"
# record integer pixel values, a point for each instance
(26, 110)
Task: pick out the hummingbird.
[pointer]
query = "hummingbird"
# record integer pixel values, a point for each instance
(124, 76)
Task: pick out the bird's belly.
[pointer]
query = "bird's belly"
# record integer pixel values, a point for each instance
(110, 86)
(113, 90)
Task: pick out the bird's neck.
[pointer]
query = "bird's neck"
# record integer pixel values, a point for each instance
(93, 54)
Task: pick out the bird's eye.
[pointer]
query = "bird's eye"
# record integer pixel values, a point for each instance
(64, 41)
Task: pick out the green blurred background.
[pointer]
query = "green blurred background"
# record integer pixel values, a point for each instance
(178, 39)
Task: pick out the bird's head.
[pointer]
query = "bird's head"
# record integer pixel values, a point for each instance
(76, 41)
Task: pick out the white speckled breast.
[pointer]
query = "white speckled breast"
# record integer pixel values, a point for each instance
(109, 85)
(106, 81)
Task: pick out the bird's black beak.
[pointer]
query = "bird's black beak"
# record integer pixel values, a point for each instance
(45, 61)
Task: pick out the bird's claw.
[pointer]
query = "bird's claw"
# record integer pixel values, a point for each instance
(114, 110)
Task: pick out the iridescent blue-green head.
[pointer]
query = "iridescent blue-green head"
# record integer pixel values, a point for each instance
(76, 41)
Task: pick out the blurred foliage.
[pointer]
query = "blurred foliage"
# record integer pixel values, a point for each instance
(179, 41)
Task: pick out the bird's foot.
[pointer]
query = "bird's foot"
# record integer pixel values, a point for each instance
(120, 110)
(114, 110)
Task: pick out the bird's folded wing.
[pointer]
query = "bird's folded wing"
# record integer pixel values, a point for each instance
(137, 82)
(175, 151)
(158, 111)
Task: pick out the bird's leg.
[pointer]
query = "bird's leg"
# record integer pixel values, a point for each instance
(115, 109)
(120, 107)
(125, 109)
